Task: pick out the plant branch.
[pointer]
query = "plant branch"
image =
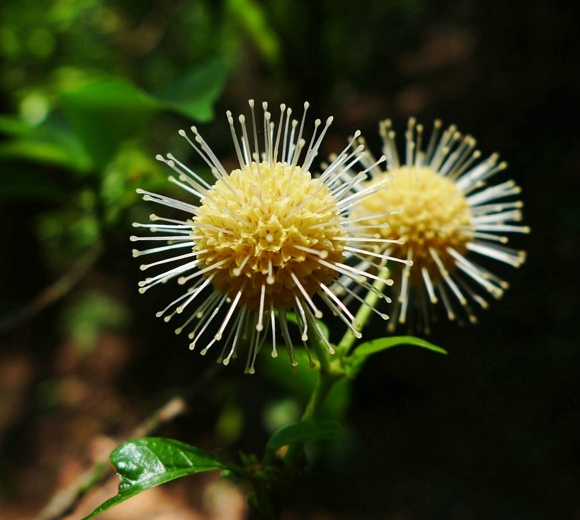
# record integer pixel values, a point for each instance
(363, 314)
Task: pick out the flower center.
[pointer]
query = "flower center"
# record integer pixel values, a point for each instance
(436, 216)
(267, 226)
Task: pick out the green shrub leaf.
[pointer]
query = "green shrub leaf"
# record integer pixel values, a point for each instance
(107, 111)
(195, 94)
(147, 462)
(356, 360)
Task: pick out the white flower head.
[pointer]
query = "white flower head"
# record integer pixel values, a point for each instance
(451, 214)
(264, 239)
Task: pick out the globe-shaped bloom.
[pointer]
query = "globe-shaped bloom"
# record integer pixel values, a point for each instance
(264, 239)
(451, 215)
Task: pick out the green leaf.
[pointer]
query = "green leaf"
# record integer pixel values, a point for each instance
(147, 462)
(107, 111)
(252, 17)
(299, 433)
(11, 125)
(53, 142)
(195, 94)
(356, 360)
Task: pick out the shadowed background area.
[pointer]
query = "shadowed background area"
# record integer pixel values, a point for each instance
(90, 91)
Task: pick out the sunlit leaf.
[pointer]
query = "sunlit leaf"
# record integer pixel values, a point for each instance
(13, 126)
(251, 16)
(107, 111)
(195, 94)
(356, 360)
(299, 433)
(148, 462)
(52, 142)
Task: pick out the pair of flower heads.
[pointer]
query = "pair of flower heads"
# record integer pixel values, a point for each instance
(270, 238)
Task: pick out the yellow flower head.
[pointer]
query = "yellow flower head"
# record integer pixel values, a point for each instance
(264, 239)
(449, 212)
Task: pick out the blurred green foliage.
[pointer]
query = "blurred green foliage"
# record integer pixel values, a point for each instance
(83, 83)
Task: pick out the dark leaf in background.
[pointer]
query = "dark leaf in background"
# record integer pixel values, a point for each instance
(299, 433)
(300, 380)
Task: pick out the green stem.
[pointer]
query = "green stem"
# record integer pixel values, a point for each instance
(363, 314)
(323, 386)
(331, 371)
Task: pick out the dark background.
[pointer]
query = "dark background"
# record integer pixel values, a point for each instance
(489, 431)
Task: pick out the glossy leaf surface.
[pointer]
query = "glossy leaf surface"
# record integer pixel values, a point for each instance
(147, 462)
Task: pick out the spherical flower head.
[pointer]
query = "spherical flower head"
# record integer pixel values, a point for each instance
(449, 212)
(265, 239)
